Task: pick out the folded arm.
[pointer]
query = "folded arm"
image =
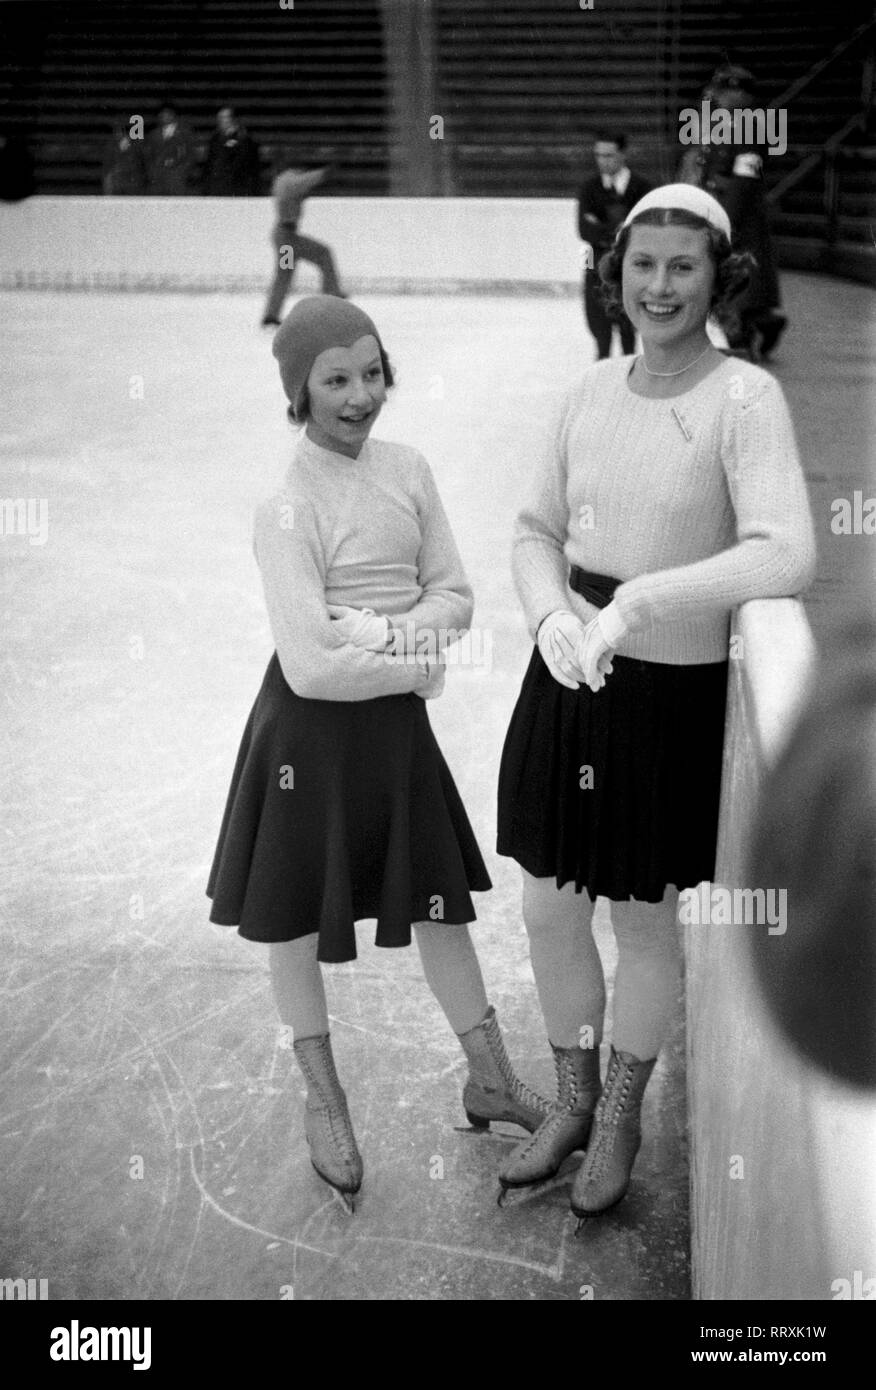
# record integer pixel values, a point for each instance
(316, 661)
(444, 609)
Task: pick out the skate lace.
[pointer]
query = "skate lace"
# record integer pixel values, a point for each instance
(341, 1131)
(519, 1090)
(608, 1114)
(568, 1081)
(570, 1088)
(531, 1099)
(546, 1130)
(332, 1107)
(567, 1085)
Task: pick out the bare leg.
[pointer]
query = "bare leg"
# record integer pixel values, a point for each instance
(648, 973)
(299, 994)
(493, 1091)
(571, 989)
(298, 988)
(452, 972)
(565, 961)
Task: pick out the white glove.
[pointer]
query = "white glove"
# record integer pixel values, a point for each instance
(434, 685)
(611, 624)
(558, 637)
(360, 626)
(601, 636)
(594, 657)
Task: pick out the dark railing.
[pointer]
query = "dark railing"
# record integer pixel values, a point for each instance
(837, 157)
(842, 48)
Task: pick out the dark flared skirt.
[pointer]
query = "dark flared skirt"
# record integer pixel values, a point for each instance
(338, 811)
(616, 792)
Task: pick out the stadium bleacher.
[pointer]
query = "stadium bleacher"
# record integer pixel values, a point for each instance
(522, 86)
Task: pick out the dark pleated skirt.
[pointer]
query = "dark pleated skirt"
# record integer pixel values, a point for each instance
(372, 825)
(616, 792)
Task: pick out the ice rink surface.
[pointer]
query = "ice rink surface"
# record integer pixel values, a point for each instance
(152, 1140)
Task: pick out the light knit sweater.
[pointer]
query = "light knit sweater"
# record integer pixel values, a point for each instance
(691, 525)
(368, 532)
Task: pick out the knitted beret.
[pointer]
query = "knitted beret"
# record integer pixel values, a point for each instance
(319, 322)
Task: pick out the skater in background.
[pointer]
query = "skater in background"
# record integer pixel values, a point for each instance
(341, 805)
(670, 492)
(170, 154)
(603, 203)
(124, 162)
(733, 173)
(289, 190)
(232, 168)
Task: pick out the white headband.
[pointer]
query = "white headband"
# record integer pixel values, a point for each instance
(688, 197)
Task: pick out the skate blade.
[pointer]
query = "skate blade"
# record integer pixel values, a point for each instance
(590, 1216)
(484, 1132)
(345, 1199)
(510, 1197)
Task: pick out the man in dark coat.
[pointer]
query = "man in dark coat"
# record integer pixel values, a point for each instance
(603, 203)
(170, 154)
(124, 163)
(733, 173)
(232, 167)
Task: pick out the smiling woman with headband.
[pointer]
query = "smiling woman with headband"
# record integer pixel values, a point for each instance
(669, 492)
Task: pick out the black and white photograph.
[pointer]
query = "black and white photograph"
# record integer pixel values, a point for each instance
(438, 592)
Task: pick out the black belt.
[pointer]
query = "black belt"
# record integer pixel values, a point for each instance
(598, 589)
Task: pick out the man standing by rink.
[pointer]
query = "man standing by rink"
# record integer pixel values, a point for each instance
(603, 203)
(170, 154)
(232, 169)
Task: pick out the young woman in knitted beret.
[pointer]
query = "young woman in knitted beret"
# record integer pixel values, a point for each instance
(341, 805)
(670, 492)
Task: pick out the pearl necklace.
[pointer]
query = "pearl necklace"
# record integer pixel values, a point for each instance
(678, 373)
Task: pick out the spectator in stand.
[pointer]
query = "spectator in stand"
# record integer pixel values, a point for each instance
(124, 162)
(603, 203)
(170, 153)
(289, 190)
(232, 167)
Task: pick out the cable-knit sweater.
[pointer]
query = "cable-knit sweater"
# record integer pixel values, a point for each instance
(696, 503)
(368, 532)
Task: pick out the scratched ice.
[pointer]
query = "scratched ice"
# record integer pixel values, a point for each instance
(135, 643)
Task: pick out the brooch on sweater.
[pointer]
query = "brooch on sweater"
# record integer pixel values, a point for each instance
(681, 425)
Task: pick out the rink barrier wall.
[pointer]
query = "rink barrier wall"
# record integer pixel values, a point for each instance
(798, 1213)
(399, 245)
(502, 246)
